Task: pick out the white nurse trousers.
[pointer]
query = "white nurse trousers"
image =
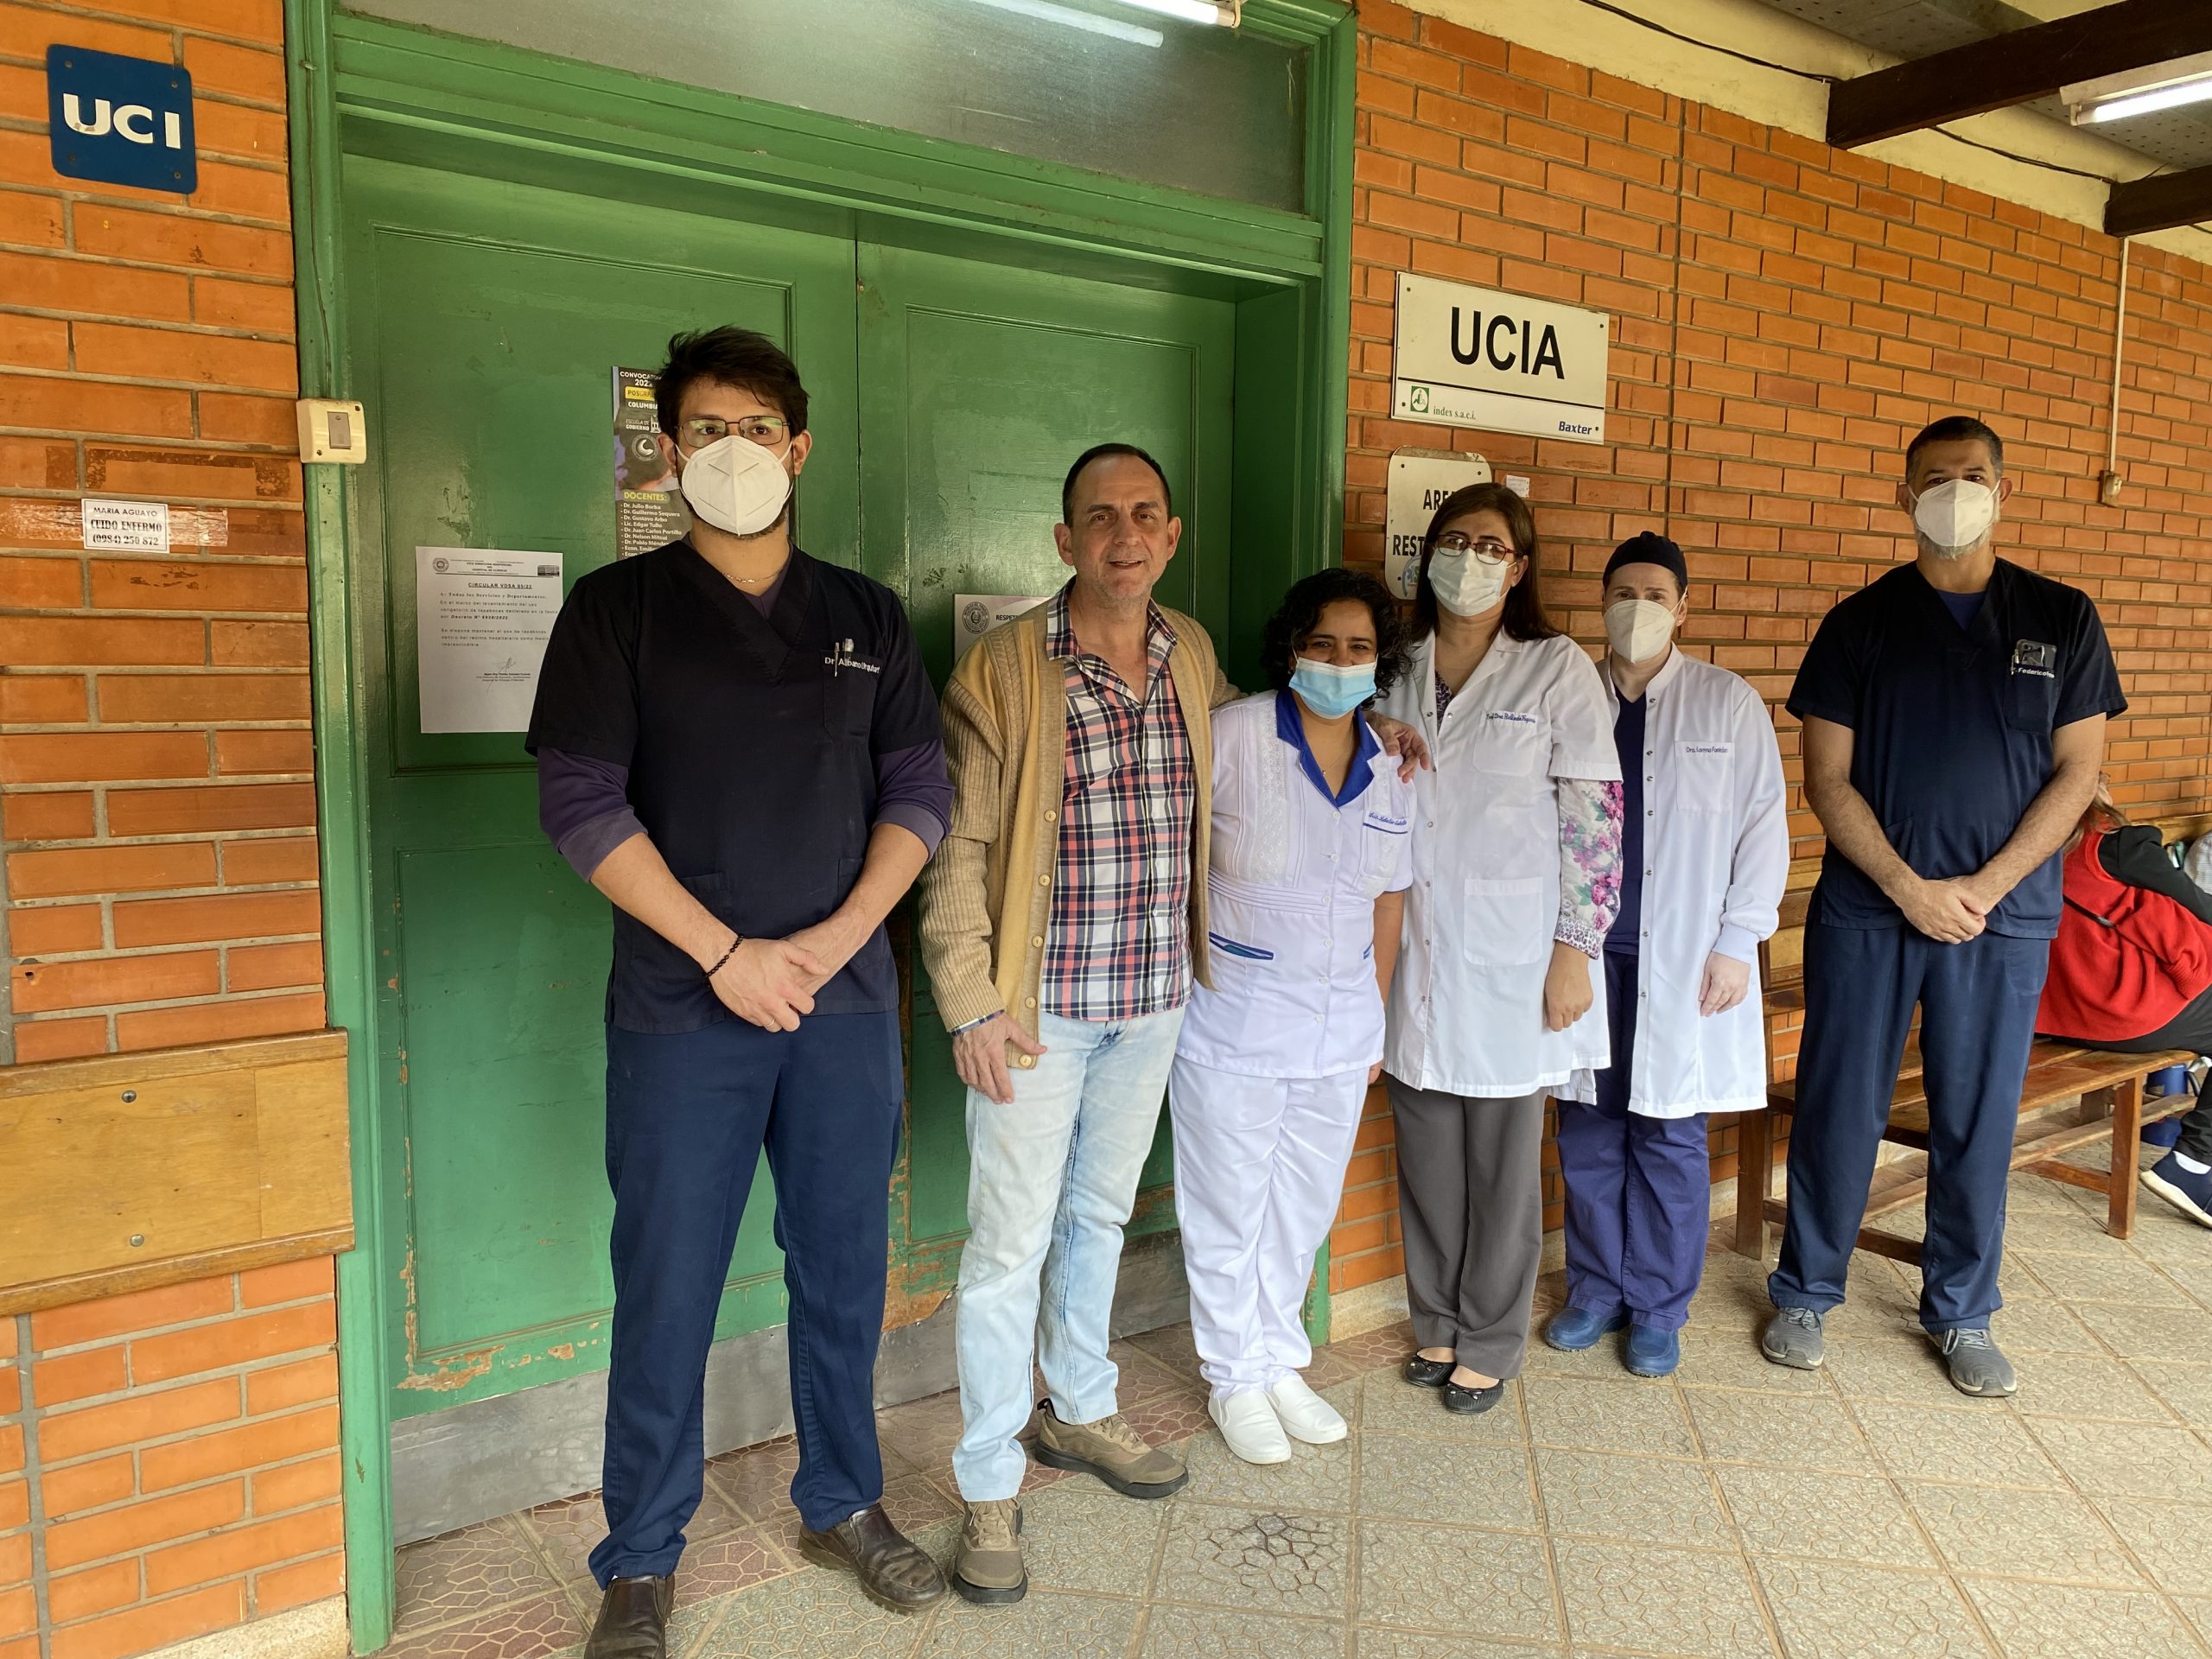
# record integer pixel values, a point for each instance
(1259, 1169)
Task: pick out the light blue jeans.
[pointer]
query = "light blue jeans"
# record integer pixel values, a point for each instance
(1052, 1178)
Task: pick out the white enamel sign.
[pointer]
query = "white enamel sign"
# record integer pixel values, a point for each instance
(1474, 357)
(1420, 480)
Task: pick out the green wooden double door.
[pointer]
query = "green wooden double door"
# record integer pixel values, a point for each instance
(948, 392)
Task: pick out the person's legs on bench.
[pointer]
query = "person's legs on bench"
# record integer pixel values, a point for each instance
(1861, 985)
(2183, 1177)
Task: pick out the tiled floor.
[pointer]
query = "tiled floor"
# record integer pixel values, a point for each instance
(1737, 1509)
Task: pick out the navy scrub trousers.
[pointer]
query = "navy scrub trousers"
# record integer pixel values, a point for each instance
(1639, 1189)
(688, 1116)
(1978, 1013)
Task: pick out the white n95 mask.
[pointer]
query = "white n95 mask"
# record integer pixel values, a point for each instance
(1956, 513)
(1638, 629)
(1466, 587)
(736, 485)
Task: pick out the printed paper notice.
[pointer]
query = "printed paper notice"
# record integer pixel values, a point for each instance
(126, 526)
(975, 615)
(482, 616)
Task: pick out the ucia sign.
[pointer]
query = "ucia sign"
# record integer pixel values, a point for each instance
(119, 120)
(1474, 357)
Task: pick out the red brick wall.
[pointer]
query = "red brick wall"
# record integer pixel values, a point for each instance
(1786, 314)
(156, 803)
(185, 1448)
(156, 819)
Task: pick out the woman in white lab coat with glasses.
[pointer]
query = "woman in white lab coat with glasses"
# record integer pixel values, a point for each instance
(1517, 857)
(1311, 832)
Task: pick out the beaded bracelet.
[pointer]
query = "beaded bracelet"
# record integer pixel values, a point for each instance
(726, 956)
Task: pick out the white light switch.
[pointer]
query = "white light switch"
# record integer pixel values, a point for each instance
(332, 429)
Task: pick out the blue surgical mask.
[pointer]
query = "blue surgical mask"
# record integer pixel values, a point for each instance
(1330, 692)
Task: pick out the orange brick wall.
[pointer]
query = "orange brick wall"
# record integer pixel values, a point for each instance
(156, 801)
(182, 1448)
(1787, 315)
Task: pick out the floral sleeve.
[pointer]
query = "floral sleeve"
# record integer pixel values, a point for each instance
(1589, 862)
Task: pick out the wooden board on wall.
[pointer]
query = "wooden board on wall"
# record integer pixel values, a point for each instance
(124, 1171)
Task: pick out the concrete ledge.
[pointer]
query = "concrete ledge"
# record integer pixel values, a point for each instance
(317, 1630)
(466, 1464)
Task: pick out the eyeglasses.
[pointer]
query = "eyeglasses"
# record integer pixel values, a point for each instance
(767, 430)
(1488, 552)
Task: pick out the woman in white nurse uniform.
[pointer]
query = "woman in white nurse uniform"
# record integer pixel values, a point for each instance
(1516, 863)
(1707, 854)
(1311, 832)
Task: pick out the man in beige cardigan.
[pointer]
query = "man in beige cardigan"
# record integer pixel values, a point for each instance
(1063, 920)
(1062, 927)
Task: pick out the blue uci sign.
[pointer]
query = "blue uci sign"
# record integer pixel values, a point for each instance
(120, 120)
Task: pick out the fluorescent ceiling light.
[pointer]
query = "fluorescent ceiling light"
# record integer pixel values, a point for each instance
(2139, 92)
(1136, 34)
(1194, 11)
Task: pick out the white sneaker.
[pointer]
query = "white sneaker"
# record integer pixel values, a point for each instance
(1305, 1415)
(1248, 1423)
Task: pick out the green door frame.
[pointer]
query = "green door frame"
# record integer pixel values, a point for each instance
(425, 96)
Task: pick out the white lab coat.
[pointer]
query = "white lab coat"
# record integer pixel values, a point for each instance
(1716, 858)
(1290, 907)
(1466, 1012)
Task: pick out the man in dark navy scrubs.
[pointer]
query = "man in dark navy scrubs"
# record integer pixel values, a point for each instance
(1954, 721)
(738, 746)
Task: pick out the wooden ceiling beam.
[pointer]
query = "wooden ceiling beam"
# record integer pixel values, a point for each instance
(2159, 202)
(2008, 69)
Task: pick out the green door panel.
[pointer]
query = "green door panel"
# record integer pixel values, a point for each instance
(980, 383)
(486, 320)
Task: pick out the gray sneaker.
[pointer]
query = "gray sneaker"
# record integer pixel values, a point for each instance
(1793, 1337)
(1977, 1367)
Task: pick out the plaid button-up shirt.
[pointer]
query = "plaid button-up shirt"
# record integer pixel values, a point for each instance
(1117, 945)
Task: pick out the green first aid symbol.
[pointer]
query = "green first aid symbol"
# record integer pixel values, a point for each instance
(1417, 400)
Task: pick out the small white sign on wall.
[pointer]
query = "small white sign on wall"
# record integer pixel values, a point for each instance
(1466, 356)
(975, 615)
(126, 526)
(1420, 479)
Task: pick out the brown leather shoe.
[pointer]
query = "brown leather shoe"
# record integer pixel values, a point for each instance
(893, 1571)
(632, 1622)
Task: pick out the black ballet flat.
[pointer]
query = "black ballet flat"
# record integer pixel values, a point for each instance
(1427, 1373)
(1470, 1403)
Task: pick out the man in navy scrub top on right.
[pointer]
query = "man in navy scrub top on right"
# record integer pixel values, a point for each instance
(1954, 721)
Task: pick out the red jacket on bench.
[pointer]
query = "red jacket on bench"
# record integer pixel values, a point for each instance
(2127, 957)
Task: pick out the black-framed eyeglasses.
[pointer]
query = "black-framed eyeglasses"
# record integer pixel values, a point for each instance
(1488, 552)
(767, 430)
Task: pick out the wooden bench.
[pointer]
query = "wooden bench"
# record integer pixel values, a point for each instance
(2072, 1097)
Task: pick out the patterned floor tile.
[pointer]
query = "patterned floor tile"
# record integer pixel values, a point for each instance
(1831, 1517)
(1144, 1375)
(1316, 1478)
(2043, 1328)
(2186, 1387)
(757, 1481)
(2047, 1621)
(1627, 1416)
(1170, 1348)
(2082, 1385)
(2107, 1279)
(2038, 1231)
(1974, 1443)
(810, 1615)
(1168, 1418)
(2168, 1538)
(1370, 1351)
(1444, 1580)
(1669, 1601)
(1653, 1500)
(1046, 1625)
(2128, 1459)
(1828, 1612)
(1388, 1404)
(1902, 1365)
(1717, 1354)
(735, 1561)
(469, 1572)
(2135, 1332)
(2054, 1535)
(1791, 1433)
(543, 1625)
(923, 1431)
(1442, 1481)
(1378, 1644)
(567, 1531)
(1210, 1633)
(1078, 1536)
(1260, 1561)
